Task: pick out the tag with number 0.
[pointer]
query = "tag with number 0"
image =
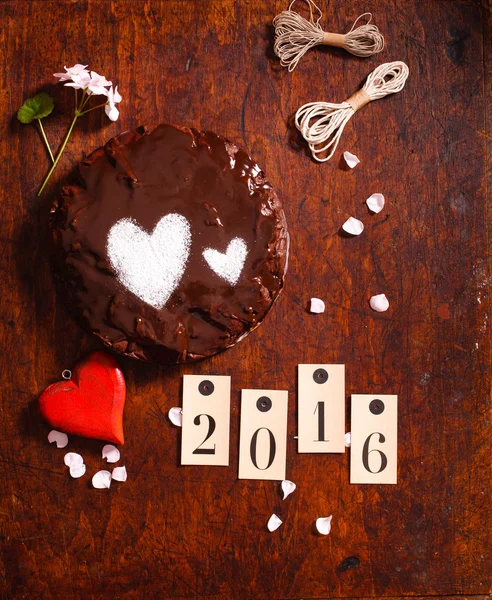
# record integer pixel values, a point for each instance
(321, 408)
(263, 435)
(206, 419)
(373, 451)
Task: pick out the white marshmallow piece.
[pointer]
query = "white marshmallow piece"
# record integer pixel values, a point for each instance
(379, 303)
(375, 203)
(111, 453)
(351, 160)
(77, 471)
(119, 474)
(175, 415)
(101, 480)
(274, 523)
(317, 306)
(72, 459)
(287, 488)
(348, 439)
(323, 525)
(60, 438)
(353, 226)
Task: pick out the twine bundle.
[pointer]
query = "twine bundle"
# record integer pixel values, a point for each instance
(322, 123)
(295, 35)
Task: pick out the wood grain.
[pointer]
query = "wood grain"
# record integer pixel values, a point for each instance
(197, 532)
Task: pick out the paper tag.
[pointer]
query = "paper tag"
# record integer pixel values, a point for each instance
(373, 452)
(263, 434)
(206, 420)
(321, 408)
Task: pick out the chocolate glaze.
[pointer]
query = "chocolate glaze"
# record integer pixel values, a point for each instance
(145, 175)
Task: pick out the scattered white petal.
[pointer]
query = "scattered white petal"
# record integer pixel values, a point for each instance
(353, 226)
(348, 439)
(119, 474)
(274, 523)
(379, 303)
(375, 203)
(287, 488)
(351, 160)
(317, 306)
(77, 471)
(73, 459)
(101, 480)
(111, 453)
(175, 415)
(60, 438)
(323, 525)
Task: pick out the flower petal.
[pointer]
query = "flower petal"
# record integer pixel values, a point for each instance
(375, 203)
(77, 471)
(348, 439)
(119, 474)
(317, 306)
(59, 437)
(175, 415)
(323, 525)
(101, 480)
(112, 112)
(287, 488)
(71, 459)
(379, 303)
(111, 453)
(274, 523)
(353, 226)
(351, 160)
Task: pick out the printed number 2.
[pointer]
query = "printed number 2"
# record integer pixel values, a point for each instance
(211, 429)
(366, 452)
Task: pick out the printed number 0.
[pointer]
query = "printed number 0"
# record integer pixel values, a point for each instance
(254, 444)
(211, 429)
(366, 452)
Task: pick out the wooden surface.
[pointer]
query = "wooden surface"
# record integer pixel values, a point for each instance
(196, 532)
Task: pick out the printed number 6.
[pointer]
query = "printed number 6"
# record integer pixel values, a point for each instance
(366, 452)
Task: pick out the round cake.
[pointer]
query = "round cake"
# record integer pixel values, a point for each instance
(170, 245)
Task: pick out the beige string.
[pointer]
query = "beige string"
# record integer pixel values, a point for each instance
(295, 35)
(322, 123)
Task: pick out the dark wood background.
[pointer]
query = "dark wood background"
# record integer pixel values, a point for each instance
(197, 532)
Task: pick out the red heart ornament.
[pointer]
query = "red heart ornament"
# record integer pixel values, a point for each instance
(91, 403)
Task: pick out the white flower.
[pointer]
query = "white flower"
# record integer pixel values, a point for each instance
(97, 84)
(113, 98)
(74, 73)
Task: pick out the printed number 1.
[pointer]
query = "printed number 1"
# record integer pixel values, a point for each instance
(211, 429)
(320, 407)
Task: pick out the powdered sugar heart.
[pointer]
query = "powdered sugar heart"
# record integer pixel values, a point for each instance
(150, 265)
(228, 265)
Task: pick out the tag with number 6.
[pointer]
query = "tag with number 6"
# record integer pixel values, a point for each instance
(373, 451)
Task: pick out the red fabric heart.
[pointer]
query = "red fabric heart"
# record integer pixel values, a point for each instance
(91, 403)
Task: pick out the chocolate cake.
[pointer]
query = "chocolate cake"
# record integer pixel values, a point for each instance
(170, 245)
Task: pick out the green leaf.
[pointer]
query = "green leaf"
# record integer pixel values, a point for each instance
(35, 108)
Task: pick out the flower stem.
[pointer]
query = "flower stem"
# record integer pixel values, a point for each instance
(41, 128)
(93, 108)
(60, 152)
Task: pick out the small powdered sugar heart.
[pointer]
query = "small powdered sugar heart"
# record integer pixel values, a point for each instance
(150, 265)
(375, 203)
(317, 306)
(353, 226)
(111, 453)
(175, 415)
(101, 480)
(274, 523)
(72, 459)
(379, 303)
(287, 488)
(323, 525)
(59, 437)
(351, 160)
(77, 471)
(119, 474)
(228, 265)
